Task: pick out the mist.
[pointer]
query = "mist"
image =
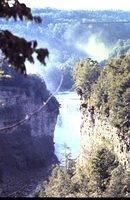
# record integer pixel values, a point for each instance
(69, 36)
(94, 48)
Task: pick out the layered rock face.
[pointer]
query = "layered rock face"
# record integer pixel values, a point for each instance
(96, 132)
(105, 106)
(30, 145)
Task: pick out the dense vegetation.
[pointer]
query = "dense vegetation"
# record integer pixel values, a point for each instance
(109, 91)
(103, 177)
(121, 47)
(112, 91)
(107, 88)
(85, 73)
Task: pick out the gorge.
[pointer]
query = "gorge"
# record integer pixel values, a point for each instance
(102, 164)
(67, 129)
(29, 149)
(90, 114)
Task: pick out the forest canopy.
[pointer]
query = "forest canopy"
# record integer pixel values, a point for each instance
(108, 89)
(103, 177)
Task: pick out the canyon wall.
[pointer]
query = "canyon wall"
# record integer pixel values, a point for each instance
(96, 132)
(105, 106)
(29, 146)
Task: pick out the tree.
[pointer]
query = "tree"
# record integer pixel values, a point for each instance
(67, 162)
(59, 184)
(103, 176)
(17, 50)
(101, 166)
(112, 90)
(85, 74)
(118, 186)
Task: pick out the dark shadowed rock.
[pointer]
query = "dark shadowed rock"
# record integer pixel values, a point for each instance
(29, 147)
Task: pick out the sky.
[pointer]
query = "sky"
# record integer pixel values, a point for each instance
(80, 4)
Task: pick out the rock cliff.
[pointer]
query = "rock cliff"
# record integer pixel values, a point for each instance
(96, 132)
(28, 147)
(105, 107)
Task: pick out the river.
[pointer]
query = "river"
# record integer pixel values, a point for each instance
(67, 130)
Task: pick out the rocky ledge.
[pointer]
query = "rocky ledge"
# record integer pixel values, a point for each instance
(28, 147)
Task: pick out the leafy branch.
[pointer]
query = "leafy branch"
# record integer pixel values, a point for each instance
(15, 49)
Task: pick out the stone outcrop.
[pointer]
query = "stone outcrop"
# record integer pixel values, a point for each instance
(29, 146)
(96, 131)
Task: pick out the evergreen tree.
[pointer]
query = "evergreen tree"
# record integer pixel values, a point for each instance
(85, 73)
(59, 184)
(118, 186)
(102, 177)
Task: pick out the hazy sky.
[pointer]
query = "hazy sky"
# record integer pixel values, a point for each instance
(80, 4)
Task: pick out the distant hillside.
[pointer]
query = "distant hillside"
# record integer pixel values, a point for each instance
(72, 35)
(121, 47)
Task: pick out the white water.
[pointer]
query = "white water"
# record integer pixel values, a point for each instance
(67, 130)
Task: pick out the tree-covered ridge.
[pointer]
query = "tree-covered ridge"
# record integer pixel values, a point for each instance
(89, 15)
(111, 91)
(85, 73)
(69, 32)
(102, 177)
(121, 47)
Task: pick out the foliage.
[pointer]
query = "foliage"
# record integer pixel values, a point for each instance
(111, 93)
(107, 89)
(59, 184)
(85, 73)
(118, 178)
(120, 48)
(100, 178)
(54, 75)
(63, 30)
(67, 163)
(17, 50)
(15, 9)
(67, 81)
(103, 162)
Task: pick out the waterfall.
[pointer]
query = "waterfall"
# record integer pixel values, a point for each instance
(67, 130)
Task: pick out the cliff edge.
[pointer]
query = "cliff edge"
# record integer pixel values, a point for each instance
(105, 107)
(28, 147)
